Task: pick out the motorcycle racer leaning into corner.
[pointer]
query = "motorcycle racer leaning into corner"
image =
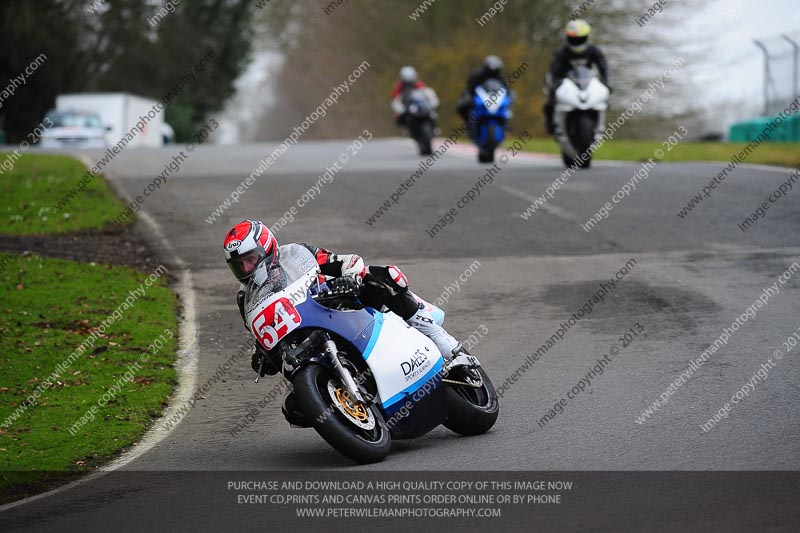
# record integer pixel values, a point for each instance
(252, 253)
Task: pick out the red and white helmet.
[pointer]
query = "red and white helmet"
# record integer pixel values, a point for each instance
(250, 246)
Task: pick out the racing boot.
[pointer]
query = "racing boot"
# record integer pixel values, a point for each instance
(448, 346)
(446, 343)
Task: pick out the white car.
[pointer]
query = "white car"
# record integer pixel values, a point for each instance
(74, 129)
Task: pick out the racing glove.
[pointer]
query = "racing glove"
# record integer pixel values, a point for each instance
(344, 285)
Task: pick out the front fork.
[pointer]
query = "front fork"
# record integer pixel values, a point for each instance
(347, 380)
(330, 352)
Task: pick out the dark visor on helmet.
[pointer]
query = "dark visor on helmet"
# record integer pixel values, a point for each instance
(577, 41)
(243, 265)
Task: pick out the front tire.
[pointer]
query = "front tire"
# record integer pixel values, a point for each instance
(425, 140)
(356, 431)
(582, 137)
(486, 152)
(470, 410)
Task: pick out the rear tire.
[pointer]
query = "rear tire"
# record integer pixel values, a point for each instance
(313, 398)
(471, 411)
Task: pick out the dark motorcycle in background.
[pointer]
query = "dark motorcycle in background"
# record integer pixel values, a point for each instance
(418, 109)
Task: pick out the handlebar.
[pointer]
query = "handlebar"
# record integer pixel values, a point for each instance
(340, 288)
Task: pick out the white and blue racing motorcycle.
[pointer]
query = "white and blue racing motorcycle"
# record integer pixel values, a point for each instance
(359, 376)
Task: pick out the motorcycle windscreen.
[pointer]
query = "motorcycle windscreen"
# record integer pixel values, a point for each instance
(417, 103)
(493, 100)
(581, 76)
(272, 314)
(581, 90)
(297, 261)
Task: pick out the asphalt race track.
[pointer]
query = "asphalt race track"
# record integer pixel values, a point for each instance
(690, 278)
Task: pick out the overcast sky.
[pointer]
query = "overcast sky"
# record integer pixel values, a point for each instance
(732, 66)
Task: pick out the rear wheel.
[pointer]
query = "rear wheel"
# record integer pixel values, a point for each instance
(470, 410)
(353, 429)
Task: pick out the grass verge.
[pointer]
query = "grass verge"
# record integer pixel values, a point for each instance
(87, 350)
(111, 389)
(784, 154)
(37, 182)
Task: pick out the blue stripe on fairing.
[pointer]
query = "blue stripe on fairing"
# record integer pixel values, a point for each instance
(416, 386)
(376, 332)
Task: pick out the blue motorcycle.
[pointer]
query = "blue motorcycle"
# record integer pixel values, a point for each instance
(490, 113)
(361, 377)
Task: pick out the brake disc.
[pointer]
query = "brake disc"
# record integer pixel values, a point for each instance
(356, 412)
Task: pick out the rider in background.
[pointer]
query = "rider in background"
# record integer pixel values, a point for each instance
(407, 81)
(492, 68)
(575, 52)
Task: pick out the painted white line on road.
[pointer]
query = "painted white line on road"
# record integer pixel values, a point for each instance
(548, 206)
(186, 365)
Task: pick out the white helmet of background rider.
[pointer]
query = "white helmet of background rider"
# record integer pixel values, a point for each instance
(492, 65)
(408, 75)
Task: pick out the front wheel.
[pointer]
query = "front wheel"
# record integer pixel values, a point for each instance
(568, 161)
(425, 140)
(489, 145)
(582, 138)
(470, 410)
(485, 155)
(356, 431)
